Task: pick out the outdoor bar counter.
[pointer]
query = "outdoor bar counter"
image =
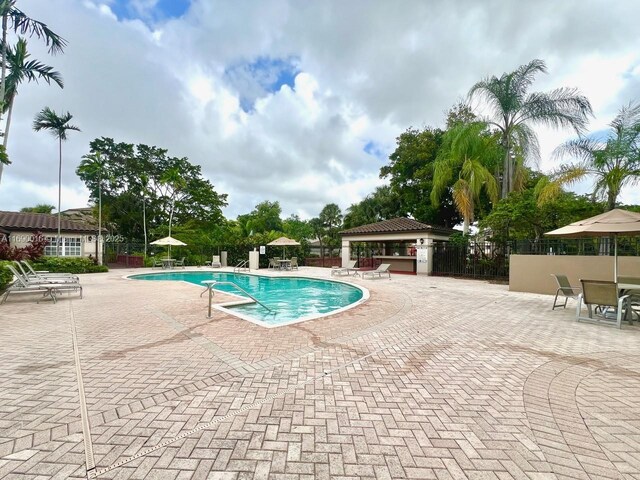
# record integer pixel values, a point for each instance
(398, 263)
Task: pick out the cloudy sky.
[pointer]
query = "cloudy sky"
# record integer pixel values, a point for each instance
(295, 101)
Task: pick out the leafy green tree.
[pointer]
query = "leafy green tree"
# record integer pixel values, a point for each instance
(382, 204)
(410, 173)
(613, 163)
(144, 188)
(40, 208)
(331, 218)
(265, 217)
(21, 69)
(15, 19)
(471, 150)
(58, 125)
(94, 165)
(294, 227)
(514, 111)
(519, 217)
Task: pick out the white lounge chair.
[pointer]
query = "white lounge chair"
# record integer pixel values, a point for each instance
(345, 270)
(48, 289)
(215, 262)
(383, 269)
(44, 277)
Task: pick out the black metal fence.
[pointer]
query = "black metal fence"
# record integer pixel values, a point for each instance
(490, 260)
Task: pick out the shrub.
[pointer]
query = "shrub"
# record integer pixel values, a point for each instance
(5, 274)
(68, 264)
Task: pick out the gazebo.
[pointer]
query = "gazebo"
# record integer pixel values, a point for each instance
(404, 243)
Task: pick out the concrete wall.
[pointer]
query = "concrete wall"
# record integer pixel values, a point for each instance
(532, 273)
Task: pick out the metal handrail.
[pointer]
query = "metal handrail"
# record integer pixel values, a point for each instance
(210, 287)
(241, 266)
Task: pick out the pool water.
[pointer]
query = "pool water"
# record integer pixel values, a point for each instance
(290, 299)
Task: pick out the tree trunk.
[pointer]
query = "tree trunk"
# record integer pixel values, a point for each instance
(171, 220)
(506, 175)
(465, 226)
(611, 200)
(3, 74)
(59, 196)
(99, 223)
(6, 129)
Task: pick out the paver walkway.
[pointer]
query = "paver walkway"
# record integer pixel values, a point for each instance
(430, 378)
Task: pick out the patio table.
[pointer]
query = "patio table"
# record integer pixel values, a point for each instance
(168, 263)
(630, 286)
(285, 264)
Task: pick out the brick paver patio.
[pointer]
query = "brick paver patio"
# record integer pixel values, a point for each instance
(431, 378)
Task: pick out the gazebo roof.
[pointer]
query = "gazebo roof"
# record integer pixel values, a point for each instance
(396, 225)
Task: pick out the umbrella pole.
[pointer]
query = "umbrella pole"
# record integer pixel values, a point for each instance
(615, 255)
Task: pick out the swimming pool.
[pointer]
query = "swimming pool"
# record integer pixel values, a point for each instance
(289, 299)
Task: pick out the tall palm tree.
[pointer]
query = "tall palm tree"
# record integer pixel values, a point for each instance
(470, 149)
(58, 125)
(514, 112)
(614, 162)
(16, 19)
(93, 165)
(21, 69)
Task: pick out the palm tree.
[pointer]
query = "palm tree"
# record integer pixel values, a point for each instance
(615, 162)
(58, 125)
(514, 111)
(469, 148)
(14, 18)
(93, 165)
(21, 69)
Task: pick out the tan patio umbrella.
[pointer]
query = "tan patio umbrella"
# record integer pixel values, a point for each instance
(169, 241)
(283, 242)
(614, 222)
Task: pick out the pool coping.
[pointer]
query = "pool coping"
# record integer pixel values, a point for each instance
(244, 301)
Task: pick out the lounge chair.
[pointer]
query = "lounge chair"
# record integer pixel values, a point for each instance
(31, 275)
(345, 270)
(383, 269)
(565, 289)
(294, 263)
(603, 303)
(180, 263)
(23, 285)
(215, 261)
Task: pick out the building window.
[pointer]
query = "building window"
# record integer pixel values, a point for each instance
(69, 247)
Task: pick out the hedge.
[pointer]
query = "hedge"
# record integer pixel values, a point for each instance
(68, 264)
(5, 274)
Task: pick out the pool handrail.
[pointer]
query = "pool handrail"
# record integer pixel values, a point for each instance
(243, 291)
(241, 266)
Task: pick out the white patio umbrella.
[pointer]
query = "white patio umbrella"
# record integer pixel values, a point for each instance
(169, 241)
(614, 222)
(283, 242)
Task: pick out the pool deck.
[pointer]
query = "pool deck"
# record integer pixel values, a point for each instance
(430, 378)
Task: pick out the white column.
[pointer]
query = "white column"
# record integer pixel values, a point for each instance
(254, 260)
(346, 253)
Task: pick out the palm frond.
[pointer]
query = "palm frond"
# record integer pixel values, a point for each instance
(58, 125)
(463, 199)
(562, 107)
(25, 25)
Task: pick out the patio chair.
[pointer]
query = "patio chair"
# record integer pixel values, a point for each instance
(33, 276)
(294, 263)
(23, 285)
(273, 264)
(351, 264)
(383, 269)
(157, 263)
(180, 263)
(603, 303)
(565, 289)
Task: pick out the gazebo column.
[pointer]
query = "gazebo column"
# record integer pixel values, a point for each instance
(424, 256)
(346, 253)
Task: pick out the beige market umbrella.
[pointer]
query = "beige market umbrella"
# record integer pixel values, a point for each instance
(614, 222)
(169, 241)
(283, 242)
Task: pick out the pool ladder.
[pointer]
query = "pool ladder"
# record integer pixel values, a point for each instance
(210, 290)
(241, 266)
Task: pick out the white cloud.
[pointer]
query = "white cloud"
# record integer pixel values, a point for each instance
(366, 72)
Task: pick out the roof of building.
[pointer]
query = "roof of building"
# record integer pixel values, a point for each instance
(396, 225)
(41, 221)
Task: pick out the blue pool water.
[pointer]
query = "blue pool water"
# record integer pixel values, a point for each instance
(291, 298)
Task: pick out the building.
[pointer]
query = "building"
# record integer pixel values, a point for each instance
(78, 238)
(403, 243)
